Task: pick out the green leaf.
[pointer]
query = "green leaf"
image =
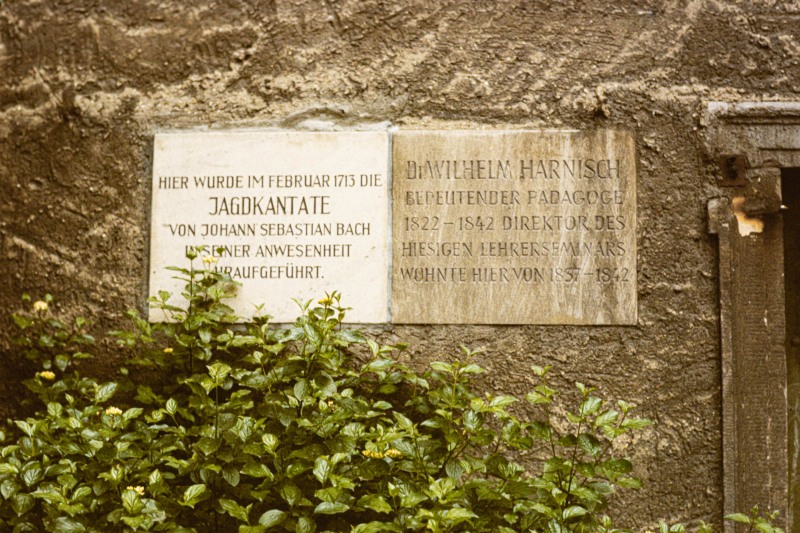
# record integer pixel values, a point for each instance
(540, 371)
(21, 321)
(607, 417)
(350, 336)
(376, 502)
(636, 423)
(272, 518)
(105, 392)
(457, 515)
(573, 511)
(132, 502)
(46, 341)
(472, 369)
(403, 421)
(312, 333)
(6, 468)
(234, 509)
(81, 492)
(28, 429)
(502, 401)
(412, 499)
(193, 494)
(270, 441)
(32, 475)
(568, 440)
(218, 372)
(134, 522)
(472, 420)
(8, 488)
(330, 508)
(617, 466)
(231, 474)
(535, 397)
(376, 527)
(629, 483)
(172, 406)
(306, 525)
(590, 406)
(63, 524)
(155, 478)
(251, 529)
(291, 495)
(442, 487)
(442, 367)
(61, 361)
(133, 412)
(373, 346)
(587, 494)
(378, 365)
(208, 445)
(455, 469)
(21, 503)
(257, 470)
(590, 444)
(301, 389)
(321, 469)
(329, 494)
(738, 517)
(50, 495)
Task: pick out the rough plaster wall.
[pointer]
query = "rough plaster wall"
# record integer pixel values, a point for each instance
(86, 83)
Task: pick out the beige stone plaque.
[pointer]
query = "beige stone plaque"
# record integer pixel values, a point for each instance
(514, 227)
(294, 214)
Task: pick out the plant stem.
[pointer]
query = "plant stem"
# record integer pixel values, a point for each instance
(216, 412)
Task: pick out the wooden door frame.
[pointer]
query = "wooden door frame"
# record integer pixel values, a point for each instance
(751, 142)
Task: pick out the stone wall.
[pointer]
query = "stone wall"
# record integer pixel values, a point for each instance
(86, 84)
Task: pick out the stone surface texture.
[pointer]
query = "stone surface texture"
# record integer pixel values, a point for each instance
(514, 227)
(87, 84)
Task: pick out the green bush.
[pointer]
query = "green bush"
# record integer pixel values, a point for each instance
(311, 427)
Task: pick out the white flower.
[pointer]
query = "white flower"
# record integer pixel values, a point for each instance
(40, 306)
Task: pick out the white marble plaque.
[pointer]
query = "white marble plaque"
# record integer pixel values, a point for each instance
(296, 214)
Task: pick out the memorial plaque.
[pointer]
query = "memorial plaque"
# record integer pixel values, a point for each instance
(287, 214)
(514, 227)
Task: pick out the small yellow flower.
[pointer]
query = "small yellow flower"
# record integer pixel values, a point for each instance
(113, 411)
(138, 489)
(209, 260)
(168, 350)
(40, 306)
(372, 455)
(393, 453)
(325, 301)
(49, 376)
